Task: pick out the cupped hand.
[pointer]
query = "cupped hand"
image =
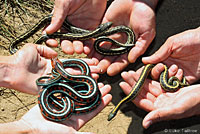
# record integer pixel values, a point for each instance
(86, 14)
(37, 124)
(31, 62)
(140, 17)
(183, 50)
(163, 105)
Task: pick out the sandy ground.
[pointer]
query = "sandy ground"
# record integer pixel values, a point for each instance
(172, 17)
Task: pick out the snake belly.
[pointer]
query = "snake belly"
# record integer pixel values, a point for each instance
(169, 85)
(64, 94)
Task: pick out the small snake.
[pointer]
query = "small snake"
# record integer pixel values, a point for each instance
(64, 94)
(171, 85)
(99, 34)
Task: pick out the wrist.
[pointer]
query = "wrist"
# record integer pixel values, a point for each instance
(16, 127)
(6, 69)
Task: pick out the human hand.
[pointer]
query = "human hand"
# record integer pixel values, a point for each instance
(183, 50)
(139, 16)
(34, 120)
(162, 105)
(30, 63)
(86, 14)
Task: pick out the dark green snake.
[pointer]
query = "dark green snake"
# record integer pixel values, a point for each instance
(99, 34)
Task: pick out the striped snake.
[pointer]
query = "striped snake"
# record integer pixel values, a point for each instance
(64, 94)
(170, 85)
(99, 34)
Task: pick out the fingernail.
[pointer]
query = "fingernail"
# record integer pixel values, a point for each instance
(144, 58)
(148, 124)
(173, 68)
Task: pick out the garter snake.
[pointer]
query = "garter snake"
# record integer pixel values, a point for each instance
(74, 33)
(64, 94)
(171, 85)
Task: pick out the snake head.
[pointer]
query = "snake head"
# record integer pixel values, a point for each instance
(105, 26)
(111, 115)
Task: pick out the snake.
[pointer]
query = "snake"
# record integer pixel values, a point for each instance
(100, 34)
(63, 94)
(169, 85)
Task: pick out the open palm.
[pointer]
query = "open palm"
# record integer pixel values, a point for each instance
(183, 50)
(85, 14)
(160, 104)
(38, 124)
(140, 17)
(31, 62)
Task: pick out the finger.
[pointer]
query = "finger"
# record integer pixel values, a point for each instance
(105, 101)
(75, 71)
(118, 65)
(144, 103)
(145, 94)
(105, 90)
(172, 70)
(67, 47)
(150, 86)
(153, 87)
(128, 78)
(51, 43)
(46, 51)
(162, 54)
(104, 64)
(78, 47)
(179, 74)
(125, 87)
(156, 116)
(95, 76)
(100, 84)
(61, 8)
(88, 48)
(139, 101)
(95, 60)
(136, 51)
(157, 70)
(90, 62)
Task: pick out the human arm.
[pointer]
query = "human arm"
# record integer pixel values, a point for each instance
(34, 122)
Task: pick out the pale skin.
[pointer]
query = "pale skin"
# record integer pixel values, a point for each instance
(34, 123)
(181, 51)
(85, 14)
(20, 72)
(29, 64)
(137, 14)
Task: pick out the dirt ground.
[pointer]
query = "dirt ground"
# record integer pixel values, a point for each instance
(172, 17)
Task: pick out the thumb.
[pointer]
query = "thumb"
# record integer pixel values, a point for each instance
(59, 14)
(160, 55)
(156, 116)
(46, 52)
